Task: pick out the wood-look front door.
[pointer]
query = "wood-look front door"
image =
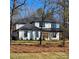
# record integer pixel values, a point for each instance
(45, 35)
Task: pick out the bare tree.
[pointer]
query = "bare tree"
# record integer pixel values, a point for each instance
(43, 14)
(14, 10)
(65, 15)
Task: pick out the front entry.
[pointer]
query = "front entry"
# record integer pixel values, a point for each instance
(45, 35)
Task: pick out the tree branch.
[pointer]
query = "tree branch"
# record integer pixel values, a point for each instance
(21, 4)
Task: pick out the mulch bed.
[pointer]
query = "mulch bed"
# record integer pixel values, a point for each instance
(30, 48)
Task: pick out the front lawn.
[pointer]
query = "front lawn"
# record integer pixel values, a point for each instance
(33, 46)
(42, 55)
(21, 49)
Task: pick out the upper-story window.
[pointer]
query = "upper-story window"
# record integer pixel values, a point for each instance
(42, 24)
(55, 25)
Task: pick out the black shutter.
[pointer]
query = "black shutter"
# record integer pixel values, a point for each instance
(25, 34)
(54, 34)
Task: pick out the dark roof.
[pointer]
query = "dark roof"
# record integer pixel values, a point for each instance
(28, 27)
(34, 19)
(52, 30)
(34, 28)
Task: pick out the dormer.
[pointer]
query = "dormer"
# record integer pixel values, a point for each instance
(47, 25)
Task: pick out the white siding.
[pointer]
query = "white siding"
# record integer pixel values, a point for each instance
(19, 26)
(56, 38)
(37, 24)
(50, 35)
(33, 33)
(47, 25)
(38, 35)
(21, 34)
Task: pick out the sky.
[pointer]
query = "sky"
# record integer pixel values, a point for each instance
(33, 5)
(36, 4)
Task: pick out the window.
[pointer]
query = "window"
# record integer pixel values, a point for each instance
(42, 24)
(54, 34)
(25, 34)
(37, 34)
(55, 25)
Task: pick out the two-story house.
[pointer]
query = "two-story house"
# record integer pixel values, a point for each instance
(30, 29)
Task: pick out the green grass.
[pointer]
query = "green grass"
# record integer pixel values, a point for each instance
(35, 42)
(43, 55)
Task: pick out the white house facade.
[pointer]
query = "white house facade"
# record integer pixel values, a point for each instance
(26, 34)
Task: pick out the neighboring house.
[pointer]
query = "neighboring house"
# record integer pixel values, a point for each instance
(30, 29)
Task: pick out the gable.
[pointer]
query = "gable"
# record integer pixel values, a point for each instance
(19, 26)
